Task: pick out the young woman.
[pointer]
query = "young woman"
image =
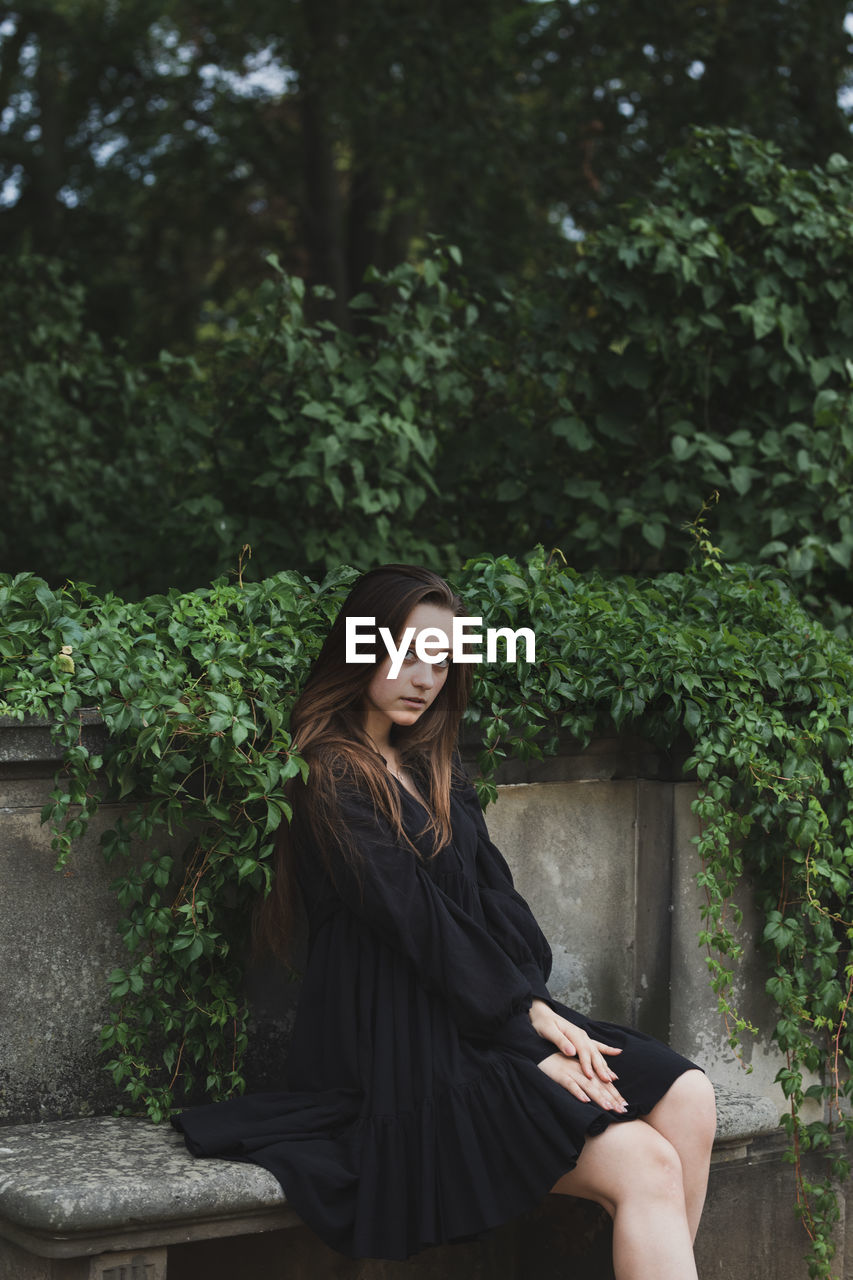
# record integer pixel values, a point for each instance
(436, 1088)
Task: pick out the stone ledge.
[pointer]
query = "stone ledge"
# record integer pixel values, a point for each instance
(75, 1187)
(605, 758)
(69, 1187)
(29, 741)
(743, 1116)
(745, 1124)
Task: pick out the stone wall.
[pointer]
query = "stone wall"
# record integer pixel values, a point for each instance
(600, 842)
(605, 859)
(58, 942)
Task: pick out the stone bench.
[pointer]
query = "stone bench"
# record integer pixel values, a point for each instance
(104, 1198)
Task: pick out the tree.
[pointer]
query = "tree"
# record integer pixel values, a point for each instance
(618, 85)
(702, 343)
(295, 438)
(161, 150)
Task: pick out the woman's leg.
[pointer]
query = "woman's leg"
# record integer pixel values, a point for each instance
(635, 1173)
(687, 1117)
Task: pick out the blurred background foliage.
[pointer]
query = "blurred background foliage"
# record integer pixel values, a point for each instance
(351, 283)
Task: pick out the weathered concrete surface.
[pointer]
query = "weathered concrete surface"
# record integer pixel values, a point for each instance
(17, 1264)
(743, 1116)
(58, 943)
(592, 858)
(58, 937)
(750, 1230)
(97, 1176)
(29, 740)
(697, 1027)
(561, 838)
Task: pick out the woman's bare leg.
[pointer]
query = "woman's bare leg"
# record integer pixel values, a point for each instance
(635, 1173)
(686, 1116)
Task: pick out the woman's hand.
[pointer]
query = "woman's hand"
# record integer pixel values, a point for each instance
(568, 1073)
(573, 1042)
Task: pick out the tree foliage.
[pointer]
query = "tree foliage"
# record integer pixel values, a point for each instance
(297, 439)
(195, 691)
(701, 342)
(163, 148)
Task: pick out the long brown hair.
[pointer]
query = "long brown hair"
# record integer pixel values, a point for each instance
(327, 725)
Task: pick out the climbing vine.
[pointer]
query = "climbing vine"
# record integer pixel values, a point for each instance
(719, 664)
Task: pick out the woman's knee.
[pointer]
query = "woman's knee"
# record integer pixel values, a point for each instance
(657, 1166)
(628, 1161)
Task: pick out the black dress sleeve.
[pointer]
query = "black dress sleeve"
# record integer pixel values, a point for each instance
(390, 889)
(508, 917)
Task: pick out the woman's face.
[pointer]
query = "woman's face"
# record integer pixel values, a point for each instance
(403, 699)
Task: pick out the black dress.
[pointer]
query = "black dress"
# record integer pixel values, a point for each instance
(416, 1112)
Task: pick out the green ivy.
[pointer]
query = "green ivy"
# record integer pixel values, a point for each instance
(720, 663)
